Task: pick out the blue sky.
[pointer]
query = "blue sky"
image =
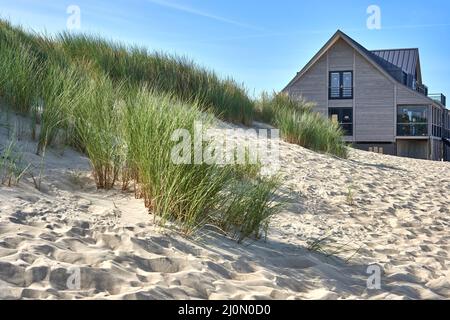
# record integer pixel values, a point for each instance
(260, 43)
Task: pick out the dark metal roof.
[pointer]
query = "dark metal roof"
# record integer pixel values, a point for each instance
(389, 66)
(392, 60)
(405, 59)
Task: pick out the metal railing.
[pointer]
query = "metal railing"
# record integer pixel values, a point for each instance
(439, 97)
(412, 129)
(423, 89)
(340, 92)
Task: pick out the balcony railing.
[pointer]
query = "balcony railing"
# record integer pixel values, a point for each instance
(412, 129)
(340, 93)
(439, 97)
(423, 89)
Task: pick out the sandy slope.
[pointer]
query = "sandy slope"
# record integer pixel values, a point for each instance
(397, 214)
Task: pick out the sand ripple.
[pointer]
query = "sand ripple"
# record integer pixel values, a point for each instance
(369, 209)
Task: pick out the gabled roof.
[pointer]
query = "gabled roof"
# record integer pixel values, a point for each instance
(392, 69)
(372, 58)
(386, 67)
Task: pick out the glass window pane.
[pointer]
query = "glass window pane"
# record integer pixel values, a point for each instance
(335, 118)
(347, 79)
(412, 130)
(335, 85)
(348, 129)
(347, 115)
(412, 114)
(343, 116)
(347, 90)
(335, 80)
(333, 111)
(412, 121)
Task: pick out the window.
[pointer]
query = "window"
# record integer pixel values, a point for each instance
(437, 122)
(412, 121)
(341, 85)
(343, 116)
(405, 79)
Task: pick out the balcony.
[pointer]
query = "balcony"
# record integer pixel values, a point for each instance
(412, 121)
(439, 97)
(421, 88)
(338, 93)
(412, 130)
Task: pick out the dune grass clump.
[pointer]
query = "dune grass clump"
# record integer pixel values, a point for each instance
(249, 210)
(12, 165)
(312, 131)
(298, 124)
(163, 73)
(41, 47)
(98, 119)
(176, 192)
(60, 93)
(19, 73)
(193, 195)
(268, 105)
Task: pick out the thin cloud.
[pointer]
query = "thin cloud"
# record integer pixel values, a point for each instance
(203, 14)
(418, 26)
(323, 31)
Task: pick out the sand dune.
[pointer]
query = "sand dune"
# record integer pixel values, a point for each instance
(369, 209)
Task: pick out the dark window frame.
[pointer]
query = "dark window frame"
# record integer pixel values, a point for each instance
(342, 89)
(347, 127)
(412, 128)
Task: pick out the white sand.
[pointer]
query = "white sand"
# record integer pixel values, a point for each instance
(398, 216)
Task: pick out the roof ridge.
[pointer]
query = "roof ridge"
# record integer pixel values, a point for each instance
(394, 49)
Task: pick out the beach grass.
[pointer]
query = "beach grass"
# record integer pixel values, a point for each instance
(194, 195)
(170, 74)
(12, 164)
(298, 124)
(121, 105)
(18, 76)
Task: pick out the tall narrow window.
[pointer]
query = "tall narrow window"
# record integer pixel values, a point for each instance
(347, 85)
(335, 85)
(341, 85)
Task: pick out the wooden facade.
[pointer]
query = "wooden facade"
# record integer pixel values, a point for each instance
(376, 95)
